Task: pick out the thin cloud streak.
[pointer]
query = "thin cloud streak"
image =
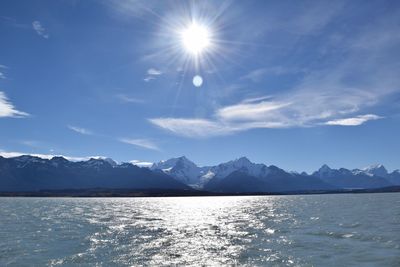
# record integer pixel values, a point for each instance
(192, 127)
(80, 130)
(30, 143)
(143, 143)
(252, 111)
(129, 99)
(2, 75)
(152, 73)
(40, 30)
(355, 121)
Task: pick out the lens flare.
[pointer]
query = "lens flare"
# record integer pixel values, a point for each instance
(197, 81)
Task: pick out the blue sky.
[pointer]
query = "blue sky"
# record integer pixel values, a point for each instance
(292, 83)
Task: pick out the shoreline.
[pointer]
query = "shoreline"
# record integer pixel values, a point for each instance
(104, 193)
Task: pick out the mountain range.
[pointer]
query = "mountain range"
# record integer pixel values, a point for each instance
(29, 173)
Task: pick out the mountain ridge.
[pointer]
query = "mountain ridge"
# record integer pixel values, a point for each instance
(240, 175)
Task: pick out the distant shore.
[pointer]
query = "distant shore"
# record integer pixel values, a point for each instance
(101, 192)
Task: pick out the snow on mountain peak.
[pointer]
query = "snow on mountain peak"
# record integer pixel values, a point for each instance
(110, 161)
(242, 164)
(183, 170)
(166, 164)
(376, 169)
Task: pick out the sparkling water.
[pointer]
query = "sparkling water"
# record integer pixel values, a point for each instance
(302, 230)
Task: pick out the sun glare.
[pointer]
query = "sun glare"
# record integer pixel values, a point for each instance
(195, 38)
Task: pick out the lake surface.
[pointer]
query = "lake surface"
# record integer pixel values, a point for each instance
(303, 230)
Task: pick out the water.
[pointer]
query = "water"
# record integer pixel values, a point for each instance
(312, 230)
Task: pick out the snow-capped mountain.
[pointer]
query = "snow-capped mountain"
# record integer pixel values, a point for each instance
(189, 173)
(242, 173)
(183, 170)
(239, 175)
(377, 170)
(243, 164)
(344, 178)
(29, 173)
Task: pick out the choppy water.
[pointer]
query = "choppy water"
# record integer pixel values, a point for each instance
(313, 230)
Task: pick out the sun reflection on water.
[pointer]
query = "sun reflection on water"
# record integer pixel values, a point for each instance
(208, 231)
(211, 231)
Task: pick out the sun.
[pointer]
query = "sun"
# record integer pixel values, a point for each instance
(196, 38)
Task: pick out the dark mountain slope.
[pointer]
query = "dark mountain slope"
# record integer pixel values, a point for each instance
(28, 173)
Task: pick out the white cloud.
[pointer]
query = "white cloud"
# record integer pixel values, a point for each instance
(143, 143)
(140, 163)
(31, 143)
(149, 78)
(2, 75)
(129, 99)
(201, 128)
(258, 74)
(256, 99)
(152, 73)
(40, 30)
(255, 75)
(192, 127)
(132, 8)
(7, 109)
(355, 121)
(253, 111)
(80, 130)
(303, 109)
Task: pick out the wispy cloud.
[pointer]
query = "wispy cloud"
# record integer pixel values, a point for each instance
(2, 75)
(143, 143)
(30, 143)
(256, 99)
(40, 30)
(152, 73)
(253, 111)
(304, 109)
(132, 8)
(258, 74)
(7, 109)
(193, 127)
(140, 163)
(355, 121)
(149, 78)
(80, 130)
(336, 93)
(129, 99)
